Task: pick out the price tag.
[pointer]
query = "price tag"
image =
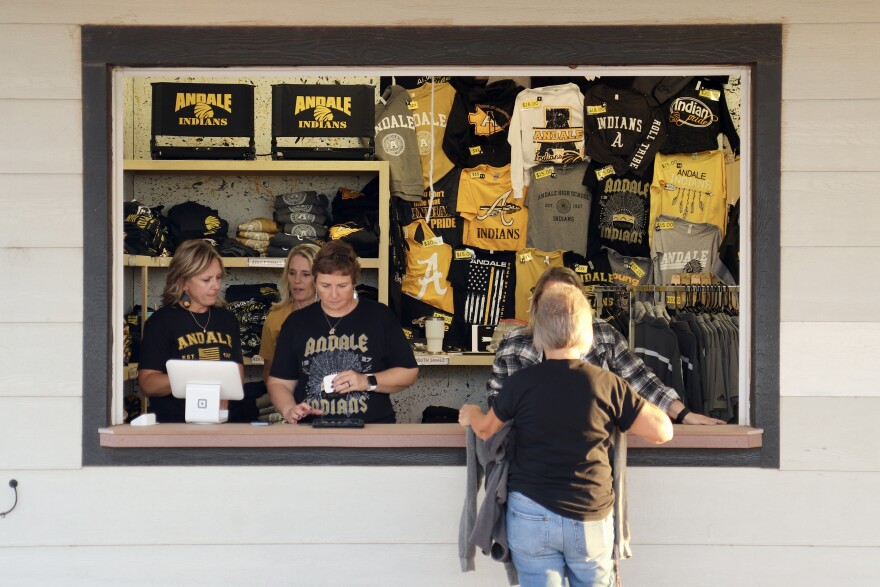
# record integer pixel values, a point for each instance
(278, 262)
(604, 172)
(525, 257)
(465, 254)
(476, 150)
(413, 104)
(634, 267)
(581, 269)
(546, 172)
(477, 175)
(664, 225)
(532, 103)
(432, 359)
(433, 242)
(713, 95)
(597, 109)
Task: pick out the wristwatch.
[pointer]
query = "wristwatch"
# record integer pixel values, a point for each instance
(371, 379)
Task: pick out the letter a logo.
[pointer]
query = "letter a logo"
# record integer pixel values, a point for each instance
(432, 276)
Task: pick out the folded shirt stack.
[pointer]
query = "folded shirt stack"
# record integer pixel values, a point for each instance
(256, 234)
(304, 217)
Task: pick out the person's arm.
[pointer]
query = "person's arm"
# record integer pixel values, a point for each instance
(281, 394)
(483, 425)
(652, 425)
(610, 346)
(153, 383)
(388, 381)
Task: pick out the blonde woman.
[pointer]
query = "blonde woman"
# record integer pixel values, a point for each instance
(192, 324)
(297, 288)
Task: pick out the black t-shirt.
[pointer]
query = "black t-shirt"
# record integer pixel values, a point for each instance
(621, 209)
(565, 413)
(171, 332)
(484, 286)
(367, 340)
(445, 221)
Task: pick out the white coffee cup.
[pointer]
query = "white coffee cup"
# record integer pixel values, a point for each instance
(434, 329)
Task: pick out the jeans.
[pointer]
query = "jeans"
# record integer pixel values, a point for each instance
(547, 547)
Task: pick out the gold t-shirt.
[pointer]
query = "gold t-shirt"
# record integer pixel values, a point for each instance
(493, 219)
(530, 264)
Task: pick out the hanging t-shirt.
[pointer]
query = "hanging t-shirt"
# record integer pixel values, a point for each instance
(430, 114)
(695, 118)
(621, 206)
(530, 264)
(366, 340)
(593, 271)
(396, 143)
(692, 187)
(630, 271)
(683, 247)
(172, 332)
(484, 283)
(479, 122)
(559, 208)
(493, 220)
(444, 221)
(626, 128)
(427, 266)
(547, 127)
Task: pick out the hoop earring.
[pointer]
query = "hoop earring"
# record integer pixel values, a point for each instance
(186, 301)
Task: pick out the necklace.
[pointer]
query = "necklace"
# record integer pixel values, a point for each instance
(205, 327)
(332, 326)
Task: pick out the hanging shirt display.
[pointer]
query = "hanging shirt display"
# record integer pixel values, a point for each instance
(683, 247)
(484, 284)
(430, 104)
(629, 271)
(493, 219)
(479, 122)
(695, 118)
(396, 143)
(626, 128)
(692, 187)
(559, 208)
(444, 221)
(530, 264)
(547, 127)
(427, 266)
(621, 207)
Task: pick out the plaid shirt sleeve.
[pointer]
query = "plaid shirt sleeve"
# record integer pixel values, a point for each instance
(611, 351)
(515, 351)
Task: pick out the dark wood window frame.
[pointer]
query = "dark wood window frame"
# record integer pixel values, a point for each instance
(758, 47)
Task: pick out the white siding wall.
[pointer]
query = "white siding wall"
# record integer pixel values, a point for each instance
(813, 522)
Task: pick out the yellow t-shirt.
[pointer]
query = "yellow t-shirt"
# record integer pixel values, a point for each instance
(271, 328)
(530, 264)
(691, 186)
(427, 267)
(427, 115)
(493, 219)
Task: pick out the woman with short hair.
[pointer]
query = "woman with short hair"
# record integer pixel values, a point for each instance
(564, 411)
(192, 324)
(356, 341)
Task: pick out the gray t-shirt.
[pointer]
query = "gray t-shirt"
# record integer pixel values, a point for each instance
(683, 247)
(630, 270)
(396, 143)
(559, 208)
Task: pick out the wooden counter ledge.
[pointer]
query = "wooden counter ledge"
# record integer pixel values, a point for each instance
(374, 436)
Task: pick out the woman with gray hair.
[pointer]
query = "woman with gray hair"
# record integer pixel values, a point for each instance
(564, 412)
(192, 324)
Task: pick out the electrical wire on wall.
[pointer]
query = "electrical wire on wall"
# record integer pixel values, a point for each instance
(14, 485)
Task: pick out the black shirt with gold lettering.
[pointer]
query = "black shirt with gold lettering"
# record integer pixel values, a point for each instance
(368, 339)
(172, 332)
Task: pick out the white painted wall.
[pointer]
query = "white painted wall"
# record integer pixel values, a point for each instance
(813, 522)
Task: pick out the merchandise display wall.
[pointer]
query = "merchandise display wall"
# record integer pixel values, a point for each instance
(239, 198)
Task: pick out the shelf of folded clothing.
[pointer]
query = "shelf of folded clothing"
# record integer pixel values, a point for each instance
(232, 262)
(377, 436)
(261, 166)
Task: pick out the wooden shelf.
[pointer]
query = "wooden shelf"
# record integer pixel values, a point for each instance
(453, 359)
(230, 262)
(375, 436)
(260, 167)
